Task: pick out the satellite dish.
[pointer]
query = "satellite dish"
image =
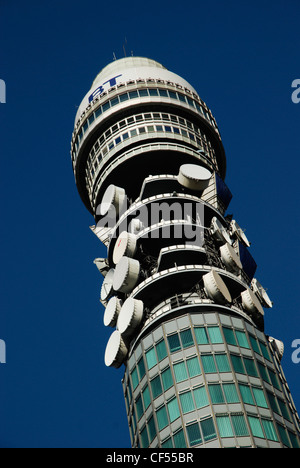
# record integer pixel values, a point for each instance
(112, 312)
(125, 246)
(251, 303)
(194, 177)
(136, 226)
(215, 288)
(116, 351)
(219, 232)
(107, 286)
(130, 317)
(239, 233)
(230, 258)
(113, 200)
(102, 265)
(261, 293)
(126, 275)
(279, 346)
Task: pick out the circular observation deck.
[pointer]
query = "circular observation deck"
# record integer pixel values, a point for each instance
(135, 103)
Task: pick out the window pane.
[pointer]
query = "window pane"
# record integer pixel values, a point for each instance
(174, 343)
(284, 411)
(187, 402)
(135, 379)
(133, 94)
(260, 397)
(222, 363)
(173, 409)
(187, 339)
(269, 430)
(230, 393)
(255, 427)
(263, 372)
(179, 440)
(229, 336)
(254, 344)
(200, 397)
(193, 367)
(156, 387)
(246, 394)
(161, 350)
(151, 358)
(124, 97)
(215, 335)
(194, 434)
(180, 372)
(237, 364)
(152, 428)
(250, 367)
(141, 367)
(239, 425)
(265, 351)
(283, 435)
(216, 394)
(146, 397)
(208, 364)
(201, 335)
(144, 438)
(162, 418)
(224, 426)
(167, 379)
(167, 443)
(208, 429)
(153, 92)
(242, 339)
(139, 408)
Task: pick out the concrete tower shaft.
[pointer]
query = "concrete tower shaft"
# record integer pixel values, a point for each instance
(179, 286)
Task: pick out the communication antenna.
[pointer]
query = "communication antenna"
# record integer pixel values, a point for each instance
(124, 47)
(114, 56)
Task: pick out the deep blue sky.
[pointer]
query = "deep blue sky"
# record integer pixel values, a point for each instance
(242, 57)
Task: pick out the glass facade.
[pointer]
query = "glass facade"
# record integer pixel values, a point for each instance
(207, 380)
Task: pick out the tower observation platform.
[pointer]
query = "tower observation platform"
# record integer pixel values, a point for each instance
(179, 281)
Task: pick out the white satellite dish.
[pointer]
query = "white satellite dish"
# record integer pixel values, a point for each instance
(239, 233)
(279, 346)
(194, 177)
(113, 200)
(215, 288)
(219, 232)
(125, 246)
(102, 265)
(251, 303)
(126, 275)
(261, 293)
(130, 317)
(116, 351)
(107, 286)
(136, 226)
(230, 258)
(112, 312)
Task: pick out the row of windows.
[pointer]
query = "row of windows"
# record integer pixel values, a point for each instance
(152, 92)
(228, 425)
(141, 131)
(139, 118)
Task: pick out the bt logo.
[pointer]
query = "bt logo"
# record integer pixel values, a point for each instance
(296, 93)
(100, 90)
(2, 92)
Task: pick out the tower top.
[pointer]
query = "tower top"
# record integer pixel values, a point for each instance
(124, 64)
